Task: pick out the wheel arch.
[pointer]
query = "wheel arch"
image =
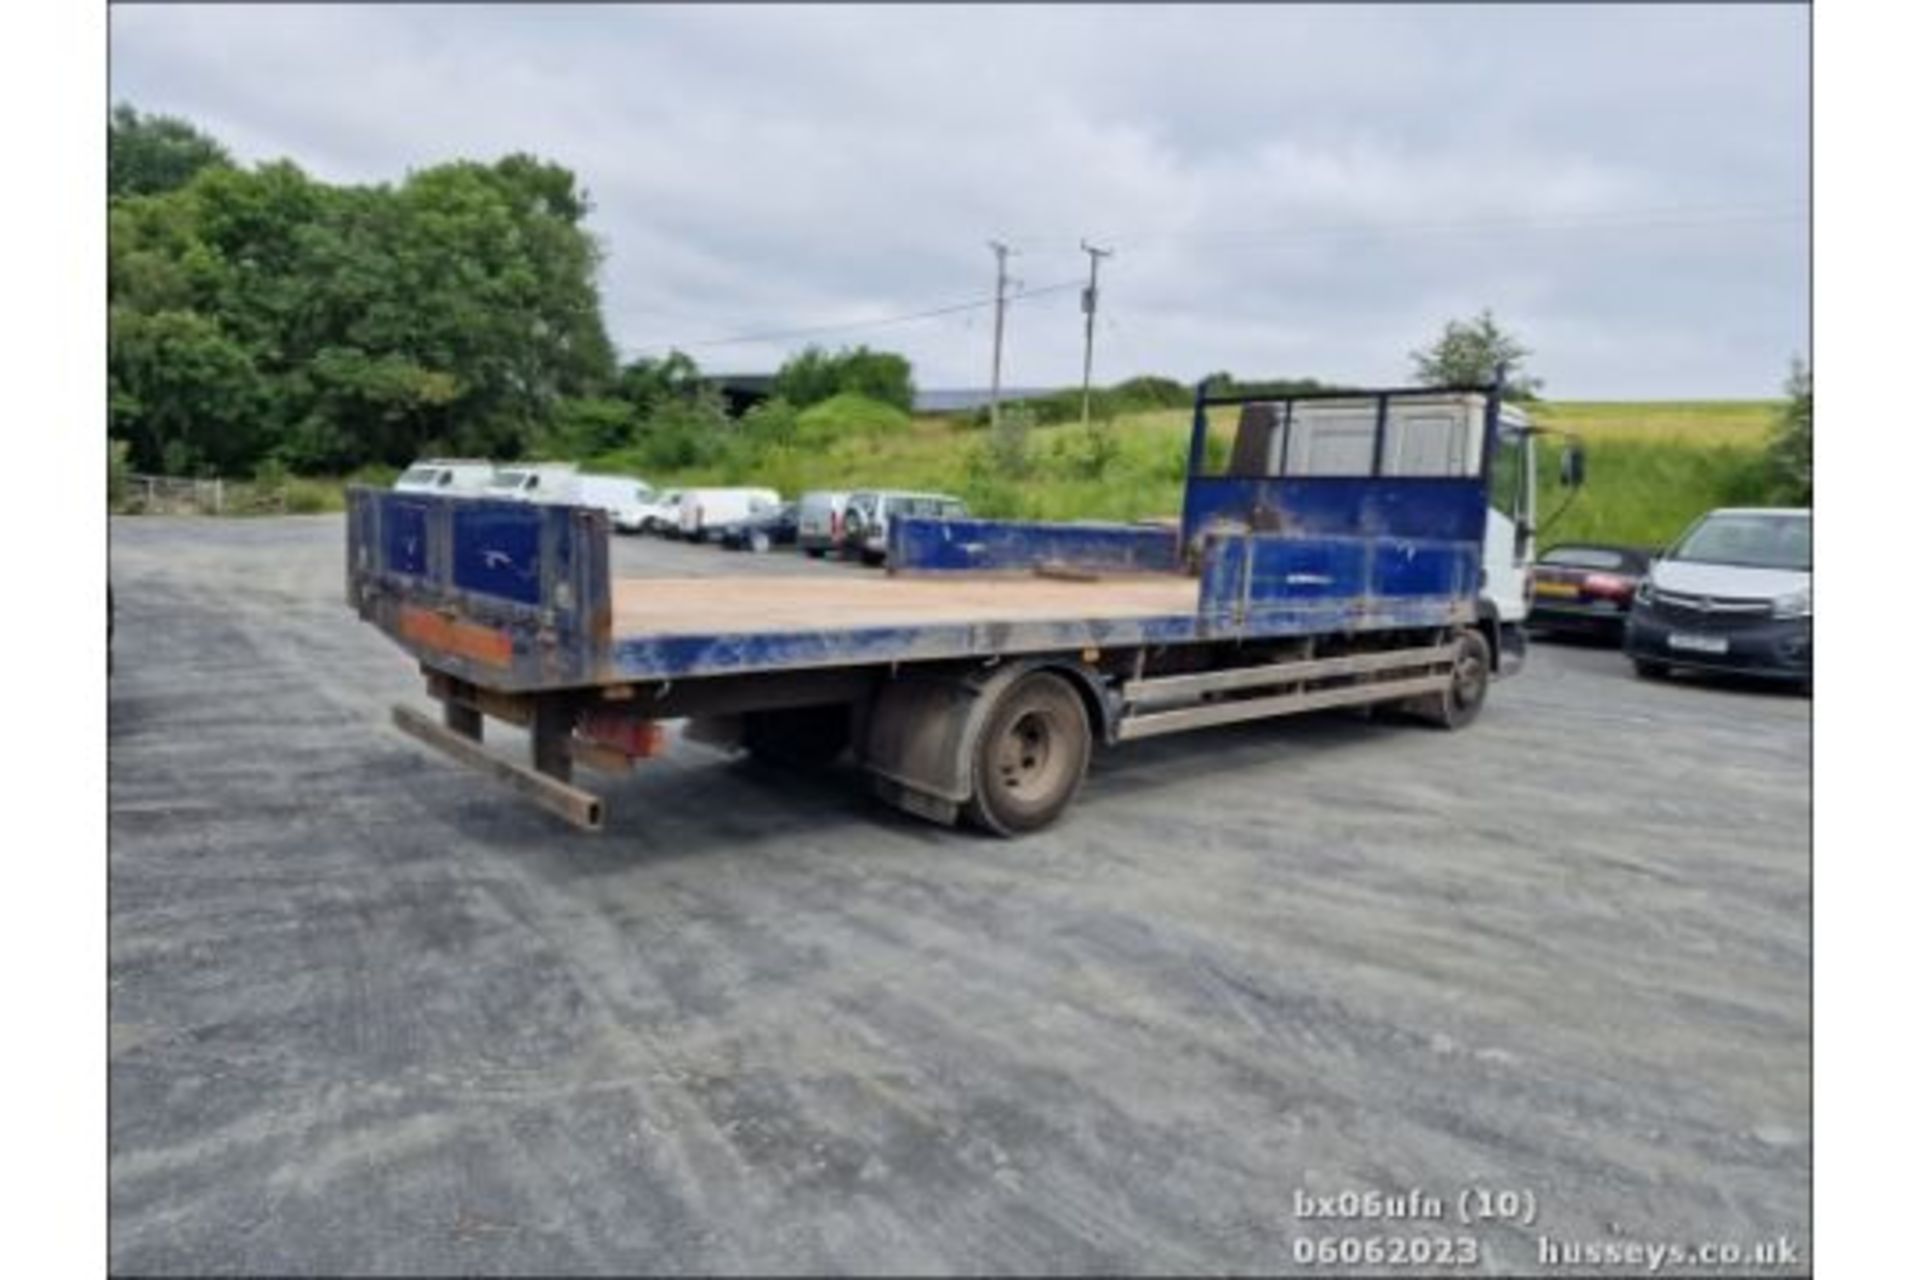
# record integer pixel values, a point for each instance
(922, 729)
(1102, 710)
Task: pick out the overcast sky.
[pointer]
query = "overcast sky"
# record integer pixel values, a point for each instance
(1302, 191)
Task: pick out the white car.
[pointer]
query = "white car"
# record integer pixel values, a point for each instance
(534, 482)
(702, 509)
(445, 475)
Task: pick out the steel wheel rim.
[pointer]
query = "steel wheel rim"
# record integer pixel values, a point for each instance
(1469, 678)
(1028, 759)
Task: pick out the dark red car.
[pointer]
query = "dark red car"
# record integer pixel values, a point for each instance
(1586, 587)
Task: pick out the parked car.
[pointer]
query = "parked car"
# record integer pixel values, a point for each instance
(623, 498)
(702, 510)
(660, 513)
(445, 475)
(823, 514)
(870, 512)
(767, 528)
(534, 482)
(1586, 587)
(1734, 593)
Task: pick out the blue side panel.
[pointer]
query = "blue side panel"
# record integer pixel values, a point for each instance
(404, 533)
(1273, 584)
(1406, 568)
(496, 550)
(1439, 510)
(958, 546)
(1307, 569)
(516, 596)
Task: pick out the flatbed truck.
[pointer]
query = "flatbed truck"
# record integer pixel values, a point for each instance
(1362, 549)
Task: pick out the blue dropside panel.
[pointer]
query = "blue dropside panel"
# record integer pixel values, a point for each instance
(1267, 584)
(924, 545)
(496, 550)
(404, 533)
(1402, 567)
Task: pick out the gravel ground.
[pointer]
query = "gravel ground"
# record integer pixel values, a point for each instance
(370, 1012)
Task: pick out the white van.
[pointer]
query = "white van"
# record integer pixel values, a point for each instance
(823, 514)
(445, 475)
(661, 513)
(623, 498)
(702, 509)
(534, 482)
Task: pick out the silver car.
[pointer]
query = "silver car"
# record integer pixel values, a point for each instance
(870, 512)
(1734, 593)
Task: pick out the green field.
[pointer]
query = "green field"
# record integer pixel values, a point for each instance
(1651, 467)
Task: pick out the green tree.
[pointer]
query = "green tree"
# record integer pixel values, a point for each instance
(646, 383)
(814, 375)
(150, 154)
(185, 397)
(1467, 354)
(1790, 450)
(363, 325)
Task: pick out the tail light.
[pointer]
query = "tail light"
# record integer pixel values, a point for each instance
(622, 732)
(1611, 586)
(833, 526)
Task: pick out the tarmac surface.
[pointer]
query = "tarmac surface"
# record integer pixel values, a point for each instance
(372, 1013)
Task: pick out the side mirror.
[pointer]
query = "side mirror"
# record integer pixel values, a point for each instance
(1573, 466)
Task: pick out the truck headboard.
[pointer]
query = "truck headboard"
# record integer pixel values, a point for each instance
(509, 594)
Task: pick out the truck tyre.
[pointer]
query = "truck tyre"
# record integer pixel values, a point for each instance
(799, 737)
(1030, 757)
(1457, 706)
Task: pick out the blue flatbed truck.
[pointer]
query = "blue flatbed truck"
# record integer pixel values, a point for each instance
(1339, 549)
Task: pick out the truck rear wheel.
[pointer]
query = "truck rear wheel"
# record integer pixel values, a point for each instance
(1456, 706)
(1031, 756)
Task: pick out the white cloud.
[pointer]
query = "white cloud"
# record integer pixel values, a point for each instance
(1286, 186)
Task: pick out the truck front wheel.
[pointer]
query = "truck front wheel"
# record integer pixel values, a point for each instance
(1030, 757)
(1456, 706)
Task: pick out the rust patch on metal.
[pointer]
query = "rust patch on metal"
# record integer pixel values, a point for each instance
(480, 644)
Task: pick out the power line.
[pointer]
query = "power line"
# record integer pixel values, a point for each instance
(1619, 220)
(908, 317)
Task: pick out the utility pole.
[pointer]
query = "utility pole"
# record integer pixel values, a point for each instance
(1000, 252)
(1089, 302)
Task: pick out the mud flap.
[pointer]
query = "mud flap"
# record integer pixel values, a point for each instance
(920, 739)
